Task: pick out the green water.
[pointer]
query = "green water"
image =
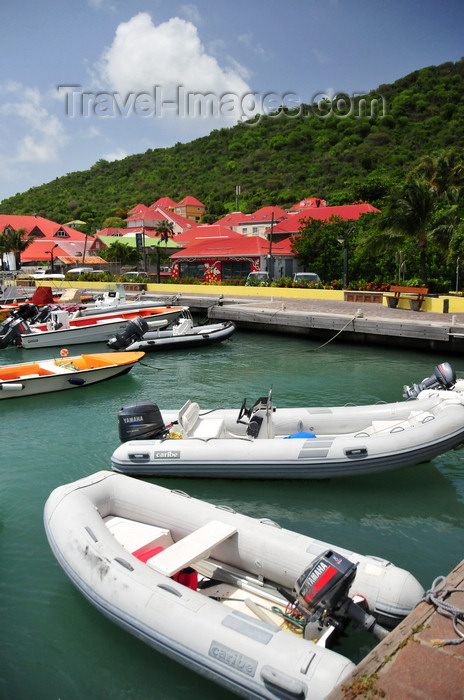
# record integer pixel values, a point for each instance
(56, 646)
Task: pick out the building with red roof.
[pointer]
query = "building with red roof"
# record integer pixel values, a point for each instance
(255, 224)
(216, 253)
(347, 212)
(51, 242)
(191, 208)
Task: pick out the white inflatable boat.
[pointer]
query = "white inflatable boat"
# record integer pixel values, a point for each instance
(290, 443)
(239, 600)
(181, 335)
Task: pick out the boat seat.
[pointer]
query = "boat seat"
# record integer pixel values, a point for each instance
(209, 428)
(197, 545)
(138, 538)
(188, 417)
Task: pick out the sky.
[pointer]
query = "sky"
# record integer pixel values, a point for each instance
(85, 80)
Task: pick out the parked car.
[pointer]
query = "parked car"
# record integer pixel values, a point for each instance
(306, 277)
(257, 278)
(136, 273)
(83, 270)
(46, 274)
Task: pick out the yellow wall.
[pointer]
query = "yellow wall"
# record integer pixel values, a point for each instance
(455, 303)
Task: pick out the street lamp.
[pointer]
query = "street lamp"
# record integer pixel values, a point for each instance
(51, 256)
(344, 242)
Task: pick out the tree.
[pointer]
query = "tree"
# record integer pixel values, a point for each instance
(14, 241)
(411, 215)
(445, 172)
(122, 253)
(165, 231)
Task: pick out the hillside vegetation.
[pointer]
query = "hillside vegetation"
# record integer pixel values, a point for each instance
(340, 154)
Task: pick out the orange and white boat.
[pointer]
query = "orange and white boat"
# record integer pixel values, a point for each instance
(64, 328)
(43, 376)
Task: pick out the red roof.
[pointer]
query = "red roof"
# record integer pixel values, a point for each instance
(139, 208)
(238, 246)
(189, 200)
(231, 219)
(347, 212)
(163, 202)
(265, 214)
(206, 231)
(309, 202)
(48, 228)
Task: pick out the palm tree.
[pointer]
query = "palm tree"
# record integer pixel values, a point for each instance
(14, 241)
(445, 172)
(165, 231)
(411, 214)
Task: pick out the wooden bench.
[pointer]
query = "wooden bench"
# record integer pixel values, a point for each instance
(415, 296)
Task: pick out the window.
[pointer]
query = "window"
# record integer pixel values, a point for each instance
(235, 269)
(192, 269)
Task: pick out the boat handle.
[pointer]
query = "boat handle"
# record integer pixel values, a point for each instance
(124, 563)
(178, 492)
(268, 521)
(227, 508)
(169, 589)
(427, 419)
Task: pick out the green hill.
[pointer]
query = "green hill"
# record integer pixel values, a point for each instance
(340, 151)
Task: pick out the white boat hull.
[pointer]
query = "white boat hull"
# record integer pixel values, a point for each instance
(59, 375)
(198, 337)
(334, 441)
(96, 332)
(92, 526)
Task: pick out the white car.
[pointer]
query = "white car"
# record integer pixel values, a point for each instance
(83, 271)
(44, 275)
(306, 277)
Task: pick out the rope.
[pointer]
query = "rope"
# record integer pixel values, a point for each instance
(436, 596)
(150, 366)
(357, 315)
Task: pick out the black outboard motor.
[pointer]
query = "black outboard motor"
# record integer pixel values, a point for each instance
(44, 313)
(322, 595)
(15, 324)
(141, 421)
(443, 377)
(134, 331)
(12, 334)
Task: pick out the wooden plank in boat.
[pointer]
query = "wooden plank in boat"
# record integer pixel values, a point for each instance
(191, 548)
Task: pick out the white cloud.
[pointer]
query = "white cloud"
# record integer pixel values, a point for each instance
(34, 134)
(191, 12)
(169, 55)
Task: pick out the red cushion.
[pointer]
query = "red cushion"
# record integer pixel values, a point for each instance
(146, 554)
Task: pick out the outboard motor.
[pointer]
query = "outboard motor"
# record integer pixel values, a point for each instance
(322, 596)
(15, 324)
(12, 334)
(44, 314)
(134, 331)
(141, 421)
(443, 377)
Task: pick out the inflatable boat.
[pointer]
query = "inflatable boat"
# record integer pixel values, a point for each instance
(239, 600)
(292, 443)
(182, 334)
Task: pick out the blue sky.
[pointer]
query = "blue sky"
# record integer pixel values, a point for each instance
(92, 79)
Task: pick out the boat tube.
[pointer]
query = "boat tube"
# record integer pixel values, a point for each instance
(263, 441)
(242, 601)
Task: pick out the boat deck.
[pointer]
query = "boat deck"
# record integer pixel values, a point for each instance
(407, 665)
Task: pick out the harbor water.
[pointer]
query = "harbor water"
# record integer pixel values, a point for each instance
(54, 645)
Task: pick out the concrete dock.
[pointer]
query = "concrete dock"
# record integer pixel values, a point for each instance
(414, 662)
(326, 319)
